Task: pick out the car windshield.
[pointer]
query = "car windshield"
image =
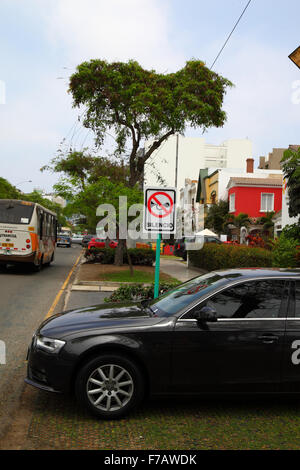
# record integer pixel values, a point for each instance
(175, 300)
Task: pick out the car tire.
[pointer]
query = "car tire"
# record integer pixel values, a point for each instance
(109, 386)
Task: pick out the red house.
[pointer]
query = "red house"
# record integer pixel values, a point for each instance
(255, 196)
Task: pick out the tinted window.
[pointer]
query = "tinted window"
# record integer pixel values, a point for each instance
(257, 299)
(297, 305)
(185, 294)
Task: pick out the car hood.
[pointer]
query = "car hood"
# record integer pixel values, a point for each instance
(108, 316)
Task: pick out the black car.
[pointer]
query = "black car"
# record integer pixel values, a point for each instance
(180, 244)
(86, 240)
(235, 331)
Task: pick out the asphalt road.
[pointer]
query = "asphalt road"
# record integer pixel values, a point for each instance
(25, 299)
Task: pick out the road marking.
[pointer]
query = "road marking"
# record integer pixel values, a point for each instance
(51, 310)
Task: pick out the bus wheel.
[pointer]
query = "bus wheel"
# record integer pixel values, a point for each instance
(49, 262)
(38, 267)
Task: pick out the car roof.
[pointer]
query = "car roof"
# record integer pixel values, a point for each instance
(258, 272)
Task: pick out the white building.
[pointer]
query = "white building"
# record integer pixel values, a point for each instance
(193, 153)
(56, 199)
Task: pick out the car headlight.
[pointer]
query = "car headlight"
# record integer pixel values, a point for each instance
(49, 344)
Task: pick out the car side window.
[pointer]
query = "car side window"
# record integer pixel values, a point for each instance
(253, 299)
(297, 299)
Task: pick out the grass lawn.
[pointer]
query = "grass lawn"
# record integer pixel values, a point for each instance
(111, 273)
(58, 422)
(139, 275)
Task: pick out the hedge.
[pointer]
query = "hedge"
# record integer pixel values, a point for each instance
(135, 292)
(214, 256)
(139, 256)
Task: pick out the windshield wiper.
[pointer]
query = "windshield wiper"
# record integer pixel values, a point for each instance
(145, 304)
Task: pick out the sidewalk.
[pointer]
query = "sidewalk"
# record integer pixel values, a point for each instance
(178, 268)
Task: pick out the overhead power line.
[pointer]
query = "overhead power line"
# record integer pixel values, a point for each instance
(225, 43)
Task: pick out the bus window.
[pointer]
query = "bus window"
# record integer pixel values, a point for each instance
(15, 212)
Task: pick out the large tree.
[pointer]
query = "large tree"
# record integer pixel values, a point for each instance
(291, 171)
(8, 191)
(217, 216)
(138, 104)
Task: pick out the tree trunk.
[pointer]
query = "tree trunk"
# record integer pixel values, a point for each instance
(119, 253)
(129, 261)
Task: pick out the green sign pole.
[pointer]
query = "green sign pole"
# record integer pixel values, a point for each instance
(157, 266)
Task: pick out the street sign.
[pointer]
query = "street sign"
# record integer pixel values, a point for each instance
(159, 217)
(159, 210)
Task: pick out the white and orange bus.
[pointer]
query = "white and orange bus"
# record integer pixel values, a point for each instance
(28, 233)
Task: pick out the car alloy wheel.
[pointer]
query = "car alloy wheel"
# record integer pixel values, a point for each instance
(109, 386)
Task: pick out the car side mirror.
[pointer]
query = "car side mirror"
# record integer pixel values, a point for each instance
(206, 314)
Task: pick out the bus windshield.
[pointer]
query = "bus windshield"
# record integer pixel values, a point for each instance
(15, 212)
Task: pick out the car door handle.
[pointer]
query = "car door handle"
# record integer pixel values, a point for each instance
(268, 338)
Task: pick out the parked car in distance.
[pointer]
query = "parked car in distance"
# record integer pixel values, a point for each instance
(76, 238)
(180, 244)
(86, 239)
(232, 331)
(100, 243)
(63, 240)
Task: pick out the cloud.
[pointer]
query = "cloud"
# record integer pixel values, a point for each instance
(115, 30)
(260, 106)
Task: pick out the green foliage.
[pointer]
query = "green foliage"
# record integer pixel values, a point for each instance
(239, 221)
(292, 232)
(267, 223)
(139, 104)
(81, 168)
(8, 191)
(213, 256)
(217, 216)
(134, 292)
(285, 252)
(89, 181)
(139, 256)
(36, 196)
(291, 171)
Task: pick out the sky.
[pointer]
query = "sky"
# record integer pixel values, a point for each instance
(42, 42)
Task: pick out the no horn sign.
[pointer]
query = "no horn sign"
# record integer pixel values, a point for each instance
(159, 210)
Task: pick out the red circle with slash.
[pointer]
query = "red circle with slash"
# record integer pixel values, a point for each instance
(160, 205)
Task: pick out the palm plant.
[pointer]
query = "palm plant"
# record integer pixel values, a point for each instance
(267, 223)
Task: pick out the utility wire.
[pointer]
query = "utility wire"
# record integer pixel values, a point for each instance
(241, 16)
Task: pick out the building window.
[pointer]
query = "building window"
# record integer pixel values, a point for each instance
(232, 202)
(267, 202)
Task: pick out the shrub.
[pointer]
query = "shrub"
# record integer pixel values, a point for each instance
(100, 255)
(138, 292)
(292, 232)
(214, 256)
(285, 254)
(139, 256)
